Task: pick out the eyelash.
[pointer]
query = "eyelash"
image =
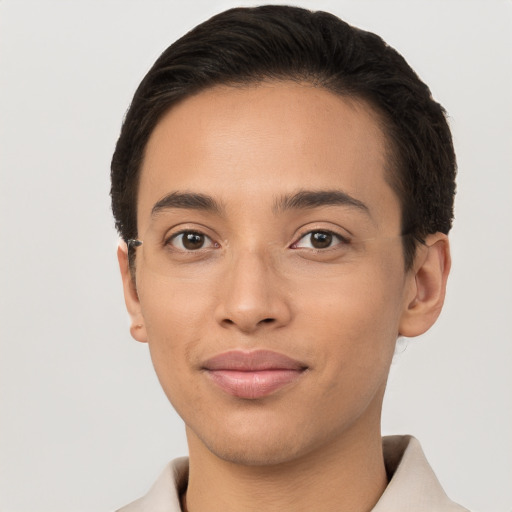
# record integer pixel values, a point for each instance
(174, 236)
(342, 240)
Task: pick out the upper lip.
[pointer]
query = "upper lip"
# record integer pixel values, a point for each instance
(255, 360)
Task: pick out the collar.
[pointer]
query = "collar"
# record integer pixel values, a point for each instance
(413, 484)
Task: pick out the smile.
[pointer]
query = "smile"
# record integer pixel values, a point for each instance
(252, 375)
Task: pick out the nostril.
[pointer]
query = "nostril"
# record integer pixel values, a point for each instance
(268, 320)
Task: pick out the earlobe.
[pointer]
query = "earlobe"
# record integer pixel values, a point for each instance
(137, 326)
(428, 286)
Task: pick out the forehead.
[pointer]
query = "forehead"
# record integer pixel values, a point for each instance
(255, 143)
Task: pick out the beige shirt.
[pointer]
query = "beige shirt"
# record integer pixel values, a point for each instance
(413, 486)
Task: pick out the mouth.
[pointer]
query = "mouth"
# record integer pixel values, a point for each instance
(254, 374)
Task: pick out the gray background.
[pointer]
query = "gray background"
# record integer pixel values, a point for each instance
(84, 425)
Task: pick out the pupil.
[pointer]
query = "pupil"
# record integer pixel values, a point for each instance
(321, 240)
(193, 241)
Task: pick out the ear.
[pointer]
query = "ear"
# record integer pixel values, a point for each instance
(425, 297)
(137, 326)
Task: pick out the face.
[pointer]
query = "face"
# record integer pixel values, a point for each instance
(270, 282)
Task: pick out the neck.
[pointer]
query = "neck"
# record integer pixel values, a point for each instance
(346, 475)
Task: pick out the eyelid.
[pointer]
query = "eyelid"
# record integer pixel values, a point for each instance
(168, 239)
(344, 239)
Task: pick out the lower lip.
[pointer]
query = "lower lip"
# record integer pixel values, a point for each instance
(253, 384)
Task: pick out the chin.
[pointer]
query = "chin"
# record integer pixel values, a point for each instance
(255, 453)
(260, 442)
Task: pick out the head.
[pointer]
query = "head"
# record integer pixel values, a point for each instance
(313, 175)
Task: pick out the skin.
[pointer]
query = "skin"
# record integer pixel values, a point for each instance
(315, 444)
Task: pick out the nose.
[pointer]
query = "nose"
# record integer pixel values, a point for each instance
(252, 295)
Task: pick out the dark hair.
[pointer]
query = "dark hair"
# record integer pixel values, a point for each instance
(247, 45)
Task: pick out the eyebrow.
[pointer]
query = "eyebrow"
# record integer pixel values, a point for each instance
(186, 200)
(306, 199)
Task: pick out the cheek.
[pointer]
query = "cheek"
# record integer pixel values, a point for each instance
(355, 317)
(176, 316)
(173, 308)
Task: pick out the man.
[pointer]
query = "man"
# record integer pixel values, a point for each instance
(284, 185)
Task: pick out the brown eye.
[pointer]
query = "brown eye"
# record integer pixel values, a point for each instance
(321, 239)
(191, 241)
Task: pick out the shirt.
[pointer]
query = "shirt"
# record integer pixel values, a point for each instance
(413, 485)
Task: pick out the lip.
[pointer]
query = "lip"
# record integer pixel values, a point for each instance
(254, 374)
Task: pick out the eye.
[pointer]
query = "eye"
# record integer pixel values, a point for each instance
(191, 241)
(319, 239)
